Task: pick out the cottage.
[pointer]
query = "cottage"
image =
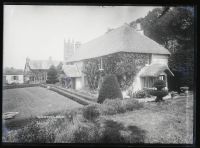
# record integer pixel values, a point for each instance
(149, 58)
(14, 76)
(35, 71)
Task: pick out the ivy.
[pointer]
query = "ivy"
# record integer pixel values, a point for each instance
(124, 65)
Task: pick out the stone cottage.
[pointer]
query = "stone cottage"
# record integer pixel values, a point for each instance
(35, 71)
(130, 45)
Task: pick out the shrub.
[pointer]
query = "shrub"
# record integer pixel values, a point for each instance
(159, 84)
(109, 89)
(116, 104)
(140, 94)
(33, 133)
(111, 107)
(131, 104)
(86, 134)
(108, 110)
(159, 93)
(91, 112)
(52, 75)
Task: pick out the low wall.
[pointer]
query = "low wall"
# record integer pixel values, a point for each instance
(69, 95)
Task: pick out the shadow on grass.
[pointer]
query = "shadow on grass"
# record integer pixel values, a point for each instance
(115, 132)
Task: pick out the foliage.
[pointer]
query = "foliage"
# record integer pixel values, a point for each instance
(91, 112)
(123, 65)
(140, 94)
(115, 104)
(174, 30)
(159, 93)
(52, 75)
(33, 133)
(159, 84)
(111, 107)
(110, 89)
(59, 68)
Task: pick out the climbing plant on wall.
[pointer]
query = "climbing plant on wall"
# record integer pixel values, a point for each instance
(124, 65)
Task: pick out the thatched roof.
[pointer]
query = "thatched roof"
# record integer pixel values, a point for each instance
(71, 71)
(122, 39)
(154, 70)
(42, 64)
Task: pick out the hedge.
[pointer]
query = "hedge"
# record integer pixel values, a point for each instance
(19, 86)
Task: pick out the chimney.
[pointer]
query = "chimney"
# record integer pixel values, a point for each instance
(139, 29)
(27, 60)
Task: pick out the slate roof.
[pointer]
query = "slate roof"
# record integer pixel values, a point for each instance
(154, 70)
(121, 39)
(71, 71)
(13, 72)
(42, 64)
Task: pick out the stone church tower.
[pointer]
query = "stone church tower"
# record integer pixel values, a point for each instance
(70, 48)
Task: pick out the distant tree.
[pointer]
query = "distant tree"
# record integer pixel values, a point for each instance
(59, 67)
(110, 89)
(52, 75)
(173, 27)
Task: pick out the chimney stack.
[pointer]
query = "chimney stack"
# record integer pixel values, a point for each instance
(27, 60)
(139, 29)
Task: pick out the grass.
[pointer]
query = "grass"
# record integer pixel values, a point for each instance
(166, 122)
(33, 101)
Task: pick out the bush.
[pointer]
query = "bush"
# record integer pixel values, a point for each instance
(140, 94)
(52, 75)
(159, 84)
(115, 104)
(111, 107)
(91, 112)
(86, 134)
(110, 89)
(33, 133)
(159, 93)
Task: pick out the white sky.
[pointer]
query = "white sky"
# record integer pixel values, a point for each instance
(38, 32)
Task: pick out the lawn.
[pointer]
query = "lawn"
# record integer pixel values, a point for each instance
(34, 101)
(166, 122)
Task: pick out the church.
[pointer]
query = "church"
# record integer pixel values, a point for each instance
(122, 41)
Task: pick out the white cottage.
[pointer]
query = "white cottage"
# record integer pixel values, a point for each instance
(13, 77)
(124, 40)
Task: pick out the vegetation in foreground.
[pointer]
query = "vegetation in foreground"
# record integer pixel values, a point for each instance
(164, 122)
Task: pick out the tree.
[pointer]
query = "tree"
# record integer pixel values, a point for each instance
(109, 89)
(52, 75)
(174, 29)
(59, 67)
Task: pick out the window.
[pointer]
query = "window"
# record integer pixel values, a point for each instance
(161, 77)
(15, 77)
(147, 82)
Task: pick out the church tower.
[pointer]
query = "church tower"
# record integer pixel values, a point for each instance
(70, 48)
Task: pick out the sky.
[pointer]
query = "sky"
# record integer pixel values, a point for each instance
(38, 32)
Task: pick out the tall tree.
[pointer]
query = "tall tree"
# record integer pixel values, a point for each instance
(52, 75)
(173, 27)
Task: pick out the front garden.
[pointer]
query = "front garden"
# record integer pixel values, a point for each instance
(113, 120)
